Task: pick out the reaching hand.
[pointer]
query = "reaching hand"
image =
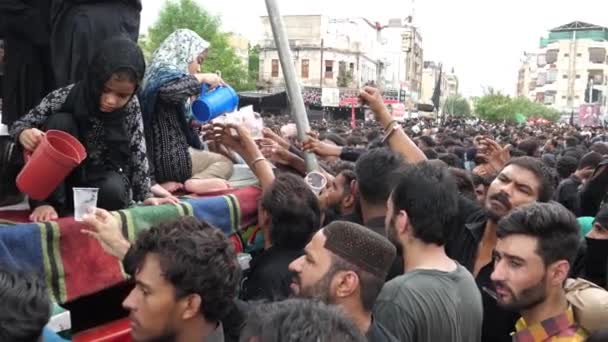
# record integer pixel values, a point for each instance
(269, 134)
(320, 148)
(105, 228)
(373, 98)
(235, 137)
(274, 152)
(490, 151)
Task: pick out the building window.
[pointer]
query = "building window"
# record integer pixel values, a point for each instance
(579, 55)
(565, 76)
(305, 68)
(578, 76)
(329, 69)
(566, 55)
(352, 67)
(275, 68)
(563, 97)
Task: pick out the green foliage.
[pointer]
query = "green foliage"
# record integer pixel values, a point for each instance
(496, 107)
(179, 14)
(457, 106)
(345, 77)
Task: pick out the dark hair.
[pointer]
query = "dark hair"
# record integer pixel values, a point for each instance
(600, 147)
(430, 153)
(299, 320)
(428, 141)
(349, 176)
(429, 196)
(571, 142)
(555, 227)
(529, 147)
(196, 259)
(590, 160)
(294, 210)
(566, 166)
(375, 174)
(464, 182)
(479, 180)
(26, 306)
(452, 160)
(127, 74)
(542, 172)
(369, 285)
(363, 251)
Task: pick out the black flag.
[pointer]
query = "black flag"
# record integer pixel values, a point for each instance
(437, 92)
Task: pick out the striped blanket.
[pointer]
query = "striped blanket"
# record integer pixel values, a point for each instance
(74, 265)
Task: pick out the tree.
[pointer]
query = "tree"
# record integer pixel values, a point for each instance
(495, 107)
(254, 64)
(457, 106)
(179, 14)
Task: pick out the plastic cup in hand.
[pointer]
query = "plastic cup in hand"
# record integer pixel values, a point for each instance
(85, 199)
(316, 181)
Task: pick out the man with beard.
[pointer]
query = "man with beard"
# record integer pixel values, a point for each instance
(523, 180)
(346, 264)
(436, 299)
(186, 277)
(337, 199)
(536, 246)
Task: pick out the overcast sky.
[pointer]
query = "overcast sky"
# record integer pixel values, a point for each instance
(483, 40)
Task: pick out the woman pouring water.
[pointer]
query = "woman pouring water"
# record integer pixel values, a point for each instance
(104, 115)
(174, 148)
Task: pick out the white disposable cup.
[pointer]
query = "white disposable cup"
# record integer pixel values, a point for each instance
(316, 181)
(85, 199)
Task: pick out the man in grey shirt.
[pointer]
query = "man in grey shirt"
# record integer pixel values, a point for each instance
(436, 299)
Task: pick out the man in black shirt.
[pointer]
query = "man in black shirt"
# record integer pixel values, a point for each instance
(523, 180)
(346, 264)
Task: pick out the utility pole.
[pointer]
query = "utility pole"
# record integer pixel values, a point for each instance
(298, 110)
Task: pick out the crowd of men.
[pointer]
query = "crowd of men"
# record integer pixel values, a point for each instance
(459, 231)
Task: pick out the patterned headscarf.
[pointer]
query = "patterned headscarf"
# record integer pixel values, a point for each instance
(170, 62)
(177, 51)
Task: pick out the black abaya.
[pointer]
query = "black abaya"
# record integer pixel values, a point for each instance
(79, 26)
(28, 77)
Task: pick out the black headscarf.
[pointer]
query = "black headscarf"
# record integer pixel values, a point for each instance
(114, 54)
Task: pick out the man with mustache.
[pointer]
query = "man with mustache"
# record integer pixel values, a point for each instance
(346, 264)
(521, 181)
(537, 244)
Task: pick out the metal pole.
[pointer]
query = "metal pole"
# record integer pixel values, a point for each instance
(298, 110)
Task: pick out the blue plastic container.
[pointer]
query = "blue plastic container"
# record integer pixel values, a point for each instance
(213, 103)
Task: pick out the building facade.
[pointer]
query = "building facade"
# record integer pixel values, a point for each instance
(326, 52)
(569, 69)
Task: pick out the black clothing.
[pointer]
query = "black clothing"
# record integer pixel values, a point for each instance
(378, 333)
(269, 276)
(78, 26)
(377, 225)
(28, 76)
(567, 192)
(113, 186)
(596, 262)
(463, 243)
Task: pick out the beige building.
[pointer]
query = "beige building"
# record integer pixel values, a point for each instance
(570, 64)
(327, 53)
(431, 73)
(240, 44)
